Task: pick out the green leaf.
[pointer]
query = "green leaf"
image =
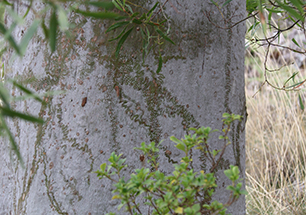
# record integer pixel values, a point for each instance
(45, 29)
(196, 207)
(293, 40)
(291, 11)
(221, 137)
(253, 27)
(295, 85)
(10, 113)
(117, 5)
(163, 35)
(225, 3)
(244, 192)
(52, 32)
(291, 77)
(179, 210)
(273, 10)
(137, 21)
(143, 16)
(120, 18)
(63, 19)
(259, 5)
(12, 140)
(102, 167)
(134, 14)
(160, 64)
(228, 173)
(36, 96)
(105, 5)
(116, 197)
(28, 36)
(181, 147)
(27, 91)
(145, 42)
(235, 170)
(117, 25)
(10, 39)
(4, 96)
(215, 3)
(15, 16)
(122, 40)
(28, 10)
(270, 19)
(215, 152)
(149, 14)
(225, 115)
(2, 12)
(251, 5)
(99, 15)
(301, 103)
(7, 3)
(298, 5)
(121, 205)
(174, 139)
(116, 38)
(130, 9)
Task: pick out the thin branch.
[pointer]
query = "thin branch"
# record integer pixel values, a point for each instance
(136, 206)
(222, 152)
(237, 23)
(155, 206)
(159, 10)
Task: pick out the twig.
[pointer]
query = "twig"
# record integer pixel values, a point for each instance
(159, 10)
(175, 8)
(218, 26)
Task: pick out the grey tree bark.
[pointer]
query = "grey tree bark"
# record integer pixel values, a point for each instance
(126, 103)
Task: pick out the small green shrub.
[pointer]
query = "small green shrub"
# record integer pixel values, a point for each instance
(185, 191)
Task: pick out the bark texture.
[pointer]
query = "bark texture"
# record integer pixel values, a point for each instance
(115, 104)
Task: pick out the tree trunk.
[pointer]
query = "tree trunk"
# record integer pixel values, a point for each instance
(114, 104)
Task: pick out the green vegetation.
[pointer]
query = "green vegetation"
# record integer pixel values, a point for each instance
(185, 190)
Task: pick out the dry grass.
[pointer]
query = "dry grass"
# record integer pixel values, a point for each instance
(275, 141)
